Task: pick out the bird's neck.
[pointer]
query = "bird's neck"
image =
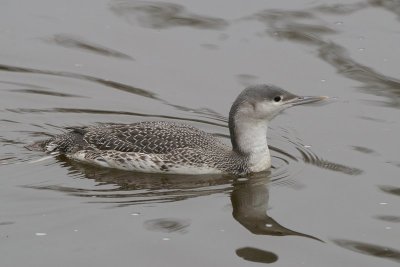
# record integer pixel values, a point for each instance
(249, 138)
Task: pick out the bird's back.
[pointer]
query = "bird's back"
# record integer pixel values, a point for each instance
(144, 137)
(146, 147)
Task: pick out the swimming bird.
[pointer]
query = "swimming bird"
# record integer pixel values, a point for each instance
(169, 147)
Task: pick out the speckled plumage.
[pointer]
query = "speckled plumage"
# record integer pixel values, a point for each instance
(149, 147)
(180, 148)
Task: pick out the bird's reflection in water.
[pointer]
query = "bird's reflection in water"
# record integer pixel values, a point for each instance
(250, 202)
(249, 197)
(256, 255)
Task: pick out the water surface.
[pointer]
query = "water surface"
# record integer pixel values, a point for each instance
(332, 196)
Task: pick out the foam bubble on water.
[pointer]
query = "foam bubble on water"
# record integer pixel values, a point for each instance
(40, 234)
(166, 239)
(135, 214)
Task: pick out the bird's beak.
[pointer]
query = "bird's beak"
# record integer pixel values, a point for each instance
(300, 100)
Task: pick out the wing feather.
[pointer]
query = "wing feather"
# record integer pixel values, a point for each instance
(147, 137)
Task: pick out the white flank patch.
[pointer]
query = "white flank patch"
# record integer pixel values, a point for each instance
(147, 165)
(193, 170)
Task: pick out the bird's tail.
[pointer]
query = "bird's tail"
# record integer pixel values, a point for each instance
(63, 143)
(38, 145)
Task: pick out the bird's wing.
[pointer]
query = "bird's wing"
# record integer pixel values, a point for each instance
(146, 137)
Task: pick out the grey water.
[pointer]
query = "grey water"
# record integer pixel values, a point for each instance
(332, 196)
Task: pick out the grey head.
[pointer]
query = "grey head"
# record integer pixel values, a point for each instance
(261, 103)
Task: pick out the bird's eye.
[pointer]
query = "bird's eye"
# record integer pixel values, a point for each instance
(277, 98)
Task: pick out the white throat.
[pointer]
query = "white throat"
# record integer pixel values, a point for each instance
(251, 139)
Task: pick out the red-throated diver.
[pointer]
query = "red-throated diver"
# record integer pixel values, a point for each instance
(168, 147)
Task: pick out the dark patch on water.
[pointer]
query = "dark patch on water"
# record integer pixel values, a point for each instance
(162, 15)
(388, 218)
(369, 249)
(167, 225)
(390, 189)
(75, 42)
(364, 150)
(43, 92)
(256, 255)
(6, 223)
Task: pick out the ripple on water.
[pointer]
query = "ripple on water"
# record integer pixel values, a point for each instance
(130, 188)
(310, 158)
(124, 188)
(75, 42)
(73, 75)
(161, 15)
